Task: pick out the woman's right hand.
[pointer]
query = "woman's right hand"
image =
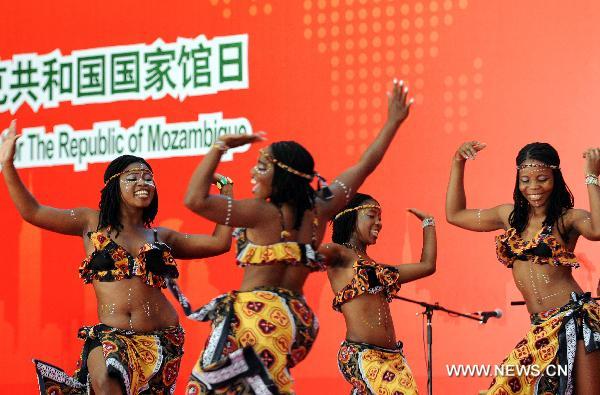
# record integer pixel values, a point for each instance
(419, 214)
(469, 150)
(8, 147)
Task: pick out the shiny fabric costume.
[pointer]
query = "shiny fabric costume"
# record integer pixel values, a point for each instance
(272, 325)
(143, 363)
(550, 345)
(369, 368)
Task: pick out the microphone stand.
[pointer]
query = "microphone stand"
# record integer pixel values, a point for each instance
(429, 309)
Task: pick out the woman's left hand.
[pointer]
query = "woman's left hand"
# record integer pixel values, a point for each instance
(592, 161)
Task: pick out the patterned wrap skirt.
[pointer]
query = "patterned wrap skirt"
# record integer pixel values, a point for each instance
(544, 361)
(143, 363)
(375, 370)
(270, 325)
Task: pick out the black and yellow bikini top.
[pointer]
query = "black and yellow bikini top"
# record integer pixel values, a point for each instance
(369, 277)
(111, 262)
(543, 249)
(283, 252)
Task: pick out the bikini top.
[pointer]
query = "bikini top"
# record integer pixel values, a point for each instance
(111, 262)
(369, 277)
(283, 252)
(543, 249)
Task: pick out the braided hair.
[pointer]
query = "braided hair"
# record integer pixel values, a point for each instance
(110, 197)
(290, 188)
(561, 198)
(345, 225)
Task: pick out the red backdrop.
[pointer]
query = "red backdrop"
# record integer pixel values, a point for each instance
(503, 72)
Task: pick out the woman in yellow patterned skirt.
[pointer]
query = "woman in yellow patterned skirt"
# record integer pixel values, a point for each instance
(370, 358)
(561, 352)
(262, 330)
(138, 344)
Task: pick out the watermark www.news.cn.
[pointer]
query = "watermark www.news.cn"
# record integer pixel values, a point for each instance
(460, 370)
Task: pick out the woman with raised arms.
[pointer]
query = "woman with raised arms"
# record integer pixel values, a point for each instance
(266, 327)
(541, 229)
(137, 346)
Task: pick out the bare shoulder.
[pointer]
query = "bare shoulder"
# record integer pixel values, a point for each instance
(337, 256)
(165, 234)
(331, 252)
(575, 214)
(504, 211)
(330, 248)
(89, 215)
(266, 209)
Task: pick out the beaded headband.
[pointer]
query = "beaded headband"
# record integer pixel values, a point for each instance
(346, 211)
(554, 167)
(286, 167)
(139, 169)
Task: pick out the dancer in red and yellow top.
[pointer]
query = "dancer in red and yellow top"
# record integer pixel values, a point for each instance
(370, 358)
(266, 327)
(137, 347)
(541, 229)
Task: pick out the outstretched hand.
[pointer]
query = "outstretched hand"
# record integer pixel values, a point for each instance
(419, 214)
(469, 150)
(237, 140)
(8, 143)
(592, 161)
(398, 107)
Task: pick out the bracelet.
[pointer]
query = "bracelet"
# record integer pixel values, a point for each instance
(223, 181)
(229, 207)
(591, 179)
(221, 146)
(428, 222)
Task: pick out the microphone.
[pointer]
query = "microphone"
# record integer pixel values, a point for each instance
(486, 315)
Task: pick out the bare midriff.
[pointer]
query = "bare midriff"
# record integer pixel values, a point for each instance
(131, 304)
(544, 287)
(369, 320)
(275, 275)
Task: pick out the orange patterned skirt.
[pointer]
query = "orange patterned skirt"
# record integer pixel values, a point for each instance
(543, 362)
(271, 325)
(143, 363)
(375, 370)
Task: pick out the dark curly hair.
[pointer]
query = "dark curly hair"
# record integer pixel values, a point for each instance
(344, 226)
(290, 188)
(561, 198)
(110, 197)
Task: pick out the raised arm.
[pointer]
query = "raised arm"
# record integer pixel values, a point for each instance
(222, 209)
(588, 223)
(426, 266)
(347, 183)
(195, 246)
(480, 220)
(71, 222)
